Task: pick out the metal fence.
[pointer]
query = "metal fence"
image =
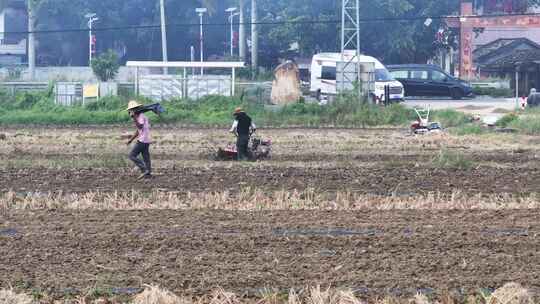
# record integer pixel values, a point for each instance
(259, 92)
(68, 93)
(200, 86)
(166, 87)
(156, 87)
(14, 87)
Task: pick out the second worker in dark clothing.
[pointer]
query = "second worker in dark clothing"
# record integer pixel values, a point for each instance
(242, 127)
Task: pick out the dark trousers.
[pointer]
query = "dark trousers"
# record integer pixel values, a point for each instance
(242, 143)
(144, 149)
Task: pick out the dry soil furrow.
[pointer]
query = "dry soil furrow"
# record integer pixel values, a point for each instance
(380, 181)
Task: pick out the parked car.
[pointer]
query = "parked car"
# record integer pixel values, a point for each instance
(324, 77)
(429, 80)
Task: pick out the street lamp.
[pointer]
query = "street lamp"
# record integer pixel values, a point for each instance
(91, 39)
(231, 11)
(201, 11)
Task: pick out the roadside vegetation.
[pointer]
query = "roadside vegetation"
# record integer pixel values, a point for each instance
(507, 120)
(451, 118)
(528, 122)
(493, 92)
(39, 108)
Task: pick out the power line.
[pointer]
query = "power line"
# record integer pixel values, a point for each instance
(307, 22)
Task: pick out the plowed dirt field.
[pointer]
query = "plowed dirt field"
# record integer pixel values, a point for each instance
(193, 252)
(64, 251)
(381, 181)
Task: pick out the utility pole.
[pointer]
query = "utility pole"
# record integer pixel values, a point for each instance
(242, 32)
(91, 39)
(31, 40)
(192, 53)
(254, 38)
(350, 43)
(201, 12)
(163, 35)
(90, 42)
(232, 12)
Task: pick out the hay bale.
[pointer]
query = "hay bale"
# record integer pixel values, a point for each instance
(10, 297)
(286, 84)
(156, 295)
(511, 293)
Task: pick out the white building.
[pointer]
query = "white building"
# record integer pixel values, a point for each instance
(13, 24)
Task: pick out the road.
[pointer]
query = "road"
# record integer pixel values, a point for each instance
(489, 109)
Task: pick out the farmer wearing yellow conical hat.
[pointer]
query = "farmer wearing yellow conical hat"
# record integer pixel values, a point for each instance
(242, 127)
(143, 140)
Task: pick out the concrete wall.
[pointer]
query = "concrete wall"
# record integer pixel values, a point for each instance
(83, 74)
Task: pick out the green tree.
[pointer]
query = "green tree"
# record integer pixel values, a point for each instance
(403, 37)
(106, 66)
(393, 41)
(290, 30)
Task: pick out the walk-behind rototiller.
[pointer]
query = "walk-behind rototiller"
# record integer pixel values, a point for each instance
(258, 149)
(422, 125)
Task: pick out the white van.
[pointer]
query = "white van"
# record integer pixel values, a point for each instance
(323, 77)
